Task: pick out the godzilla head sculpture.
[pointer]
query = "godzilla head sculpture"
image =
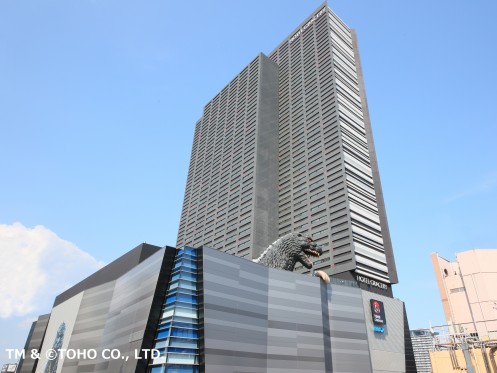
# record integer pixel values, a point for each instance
(289, 249)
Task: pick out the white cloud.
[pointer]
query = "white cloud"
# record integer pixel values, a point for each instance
(35, 266)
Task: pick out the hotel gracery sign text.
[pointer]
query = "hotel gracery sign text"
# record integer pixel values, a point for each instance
(308, 23)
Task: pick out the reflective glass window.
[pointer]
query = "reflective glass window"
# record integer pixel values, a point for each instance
(177, 332)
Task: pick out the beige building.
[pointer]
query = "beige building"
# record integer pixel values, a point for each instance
(440, 350)
(468, 289)
(483, 360)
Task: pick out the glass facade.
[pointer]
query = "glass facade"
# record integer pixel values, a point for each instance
(177, 335)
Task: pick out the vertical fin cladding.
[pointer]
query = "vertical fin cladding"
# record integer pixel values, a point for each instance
(385, 231)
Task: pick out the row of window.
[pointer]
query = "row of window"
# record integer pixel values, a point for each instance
(236, 104)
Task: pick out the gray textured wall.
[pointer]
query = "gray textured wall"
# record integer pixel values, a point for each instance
(265, 211)
(34, 342)
(112, 314)
(259, 319)
(256, 319)
(387, 349)
(90, 324)
(349, 342)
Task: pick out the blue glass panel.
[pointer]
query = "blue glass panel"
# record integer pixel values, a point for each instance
(187, 298)
(181, 369)
(182, 342)
(190, 312)
(192, 271)
(184, 291)
(186, 262)
(161, 344)
(178, 264)
(165, 326)
(183, 350)
(163, 334)
(187, 276)
(177, 337)
(175, 332)
(190, 250)
(187, 285)
(186, 304)
(185, 319)
(190, 262)
(186, 325)
(174, 289)
(190, 258)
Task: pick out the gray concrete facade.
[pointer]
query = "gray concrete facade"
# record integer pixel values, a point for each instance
(113, 315)
(114, 309)
(259, 319)
(251, 318)
(328, 174)
(231, 191)
(33, 342)
(312, 146)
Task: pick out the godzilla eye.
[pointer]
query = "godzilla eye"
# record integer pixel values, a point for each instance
(299, 235)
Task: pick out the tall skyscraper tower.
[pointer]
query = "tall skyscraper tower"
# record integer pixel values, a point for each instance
(287, 146)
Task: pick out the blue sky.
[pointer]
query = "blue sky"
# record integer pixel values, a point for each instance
(98, 101)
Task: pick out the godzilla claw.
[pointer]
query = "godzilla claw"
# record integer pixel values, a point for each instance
(323, 276)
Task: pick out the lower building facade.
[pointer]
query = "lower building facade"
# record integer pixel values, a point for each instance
(164, 310)
(422, 342)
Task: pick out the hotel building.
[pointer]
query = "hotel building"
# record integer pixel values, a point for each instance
(287, 146)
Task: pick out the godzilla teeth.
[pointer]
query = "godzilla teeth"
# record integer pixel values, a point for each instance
(313, 252)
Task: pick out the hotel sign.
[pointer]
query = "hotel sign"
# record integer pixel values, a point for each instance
(310, 22)
(377, 312)
(369, 281)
